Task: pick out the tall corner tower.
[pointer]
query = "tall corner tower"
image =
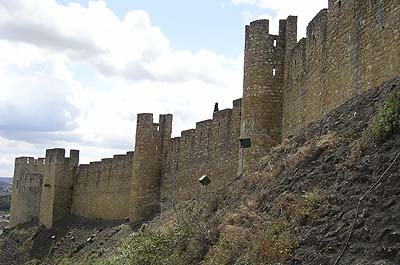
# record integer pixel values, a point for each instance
(264, 60)
(151, 140)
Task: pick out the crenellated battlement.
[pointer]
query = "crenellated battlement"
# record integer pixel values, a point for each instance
(145, 119)
(30, 160)
(258, 27)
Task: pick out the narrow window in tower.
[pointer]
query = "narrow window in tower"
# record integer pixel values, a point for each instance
(273, 71)
(17, 183)
(340, 3)
(274, 42)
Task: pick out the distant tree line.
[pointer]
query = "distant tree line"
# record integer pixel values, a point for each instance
(5, 202)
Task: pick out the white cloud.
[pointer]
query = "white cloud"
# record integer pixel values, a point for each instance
(76, 77)
(281, 9)
(94, 35)
(284, 8)
(247, 2)
(247, 17)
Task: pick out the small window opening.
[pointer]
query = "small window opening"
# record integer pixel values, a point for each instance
(275, 42)
(17, 183)
(273, 71)
(295, 62)
(27, 160)
(340, 3)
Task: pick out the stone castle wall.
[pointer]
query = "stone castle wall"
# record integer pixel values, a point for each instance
(27, 189)
(211, 149)
(101, 189)
(350, 47)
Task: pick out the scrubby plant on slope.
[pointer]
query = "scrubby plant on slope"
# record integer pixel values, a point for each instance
(387, 120)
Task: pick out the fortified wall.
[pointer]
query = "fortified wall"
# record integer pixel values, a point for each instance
(351, 46)
(101, 189)
(137, 185)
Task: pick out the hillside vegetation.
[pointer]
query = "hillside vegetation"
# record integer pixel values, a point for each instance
(5, 202)
(326, 196)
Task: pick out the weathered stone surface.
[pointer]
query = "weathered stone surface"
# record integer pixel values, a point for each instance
(264, 59)
(101, 188)
(350, 47)
(211, 149)
(27, 189)
(58, 184)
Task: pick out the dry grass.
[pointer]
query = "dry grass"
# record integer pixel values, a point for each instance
(274, 245)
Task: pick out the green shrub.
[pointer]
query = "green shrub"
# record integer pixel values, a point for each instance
(387, 120)
(275, 244)
(152, 248)
(183, 241)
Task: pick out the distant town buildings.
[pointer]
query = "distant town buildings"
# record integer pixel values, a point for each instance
(4, 221)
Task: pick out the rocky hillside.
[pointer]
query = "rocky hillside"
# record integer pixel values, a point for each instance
(326, 196)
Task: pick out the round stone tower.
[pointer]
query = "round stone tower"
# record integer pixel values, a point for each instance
(261, 119)
(152, 139)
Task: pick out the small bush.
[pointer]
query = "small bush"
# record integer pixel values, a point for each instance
(232, 244)
(387, 120)
(298, 209)
(275, 244)
(358, 148)
(150, 248)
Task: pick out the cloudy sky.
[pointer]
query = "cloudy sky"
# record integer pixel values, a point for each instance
(74, 74)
